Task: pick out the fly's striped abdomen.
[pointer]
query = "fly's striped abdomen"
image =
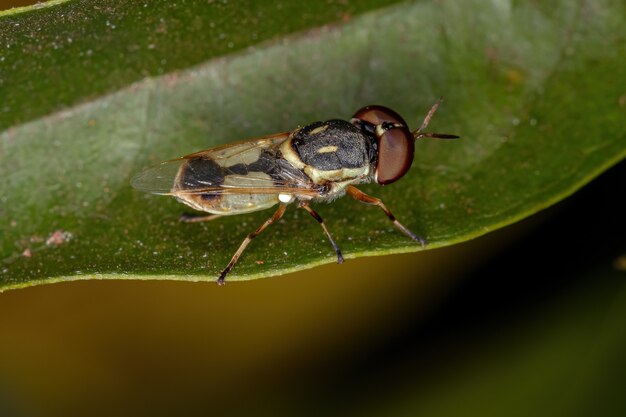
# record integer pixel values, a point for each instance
(226, 204)
(221, 173)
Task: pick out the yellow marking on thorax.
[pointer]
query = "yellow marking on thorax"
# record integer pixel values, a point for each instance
(290, 154)
(328, 149)
(318, 130)
(335, 175)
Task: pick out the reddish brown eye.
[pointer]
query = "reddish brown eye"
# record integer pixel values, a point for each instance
(395, 143)
(395, 155)
(378, 114)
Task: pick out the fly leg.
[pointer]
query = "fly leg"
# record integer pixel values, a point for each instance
(361, 196)
(305, 205)
(196, 218)
(277, 215)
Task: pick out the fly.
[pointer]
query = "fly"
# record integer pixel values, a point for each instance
(318, 162)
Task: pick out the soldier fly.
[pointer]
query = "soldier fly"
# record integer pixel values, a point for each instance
(318, 162)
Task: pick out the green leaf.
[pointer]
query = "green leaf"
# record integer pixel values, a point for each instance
(537, 92)
(65, 51)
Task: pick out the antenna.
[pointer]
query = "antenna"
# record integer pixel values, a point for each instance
(418, 134)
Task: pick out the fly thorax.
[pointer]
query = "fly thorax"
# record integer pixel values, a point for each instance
(334, 150)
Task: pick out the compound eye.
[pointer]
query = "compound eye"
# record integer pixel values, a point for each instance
(395, 154)
(377, 115)
(395, 143)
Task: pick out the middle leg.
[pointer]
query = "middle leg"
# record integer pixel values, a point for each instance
(305, 205)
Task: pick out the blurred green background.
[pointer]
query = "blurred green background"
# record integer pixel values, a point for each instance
(528, 320)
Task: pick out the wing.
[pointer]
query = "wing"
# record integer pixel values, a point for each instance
(250, 167)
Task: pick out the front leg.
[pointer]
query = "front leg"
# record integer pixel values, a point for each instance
(364, 198)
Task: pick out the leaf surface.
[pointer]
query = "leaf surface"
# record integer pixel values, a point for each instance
(537, 92)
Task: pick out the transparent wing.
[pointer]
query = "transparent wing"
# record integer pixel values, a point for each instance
(249, 167)
(158, 179)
